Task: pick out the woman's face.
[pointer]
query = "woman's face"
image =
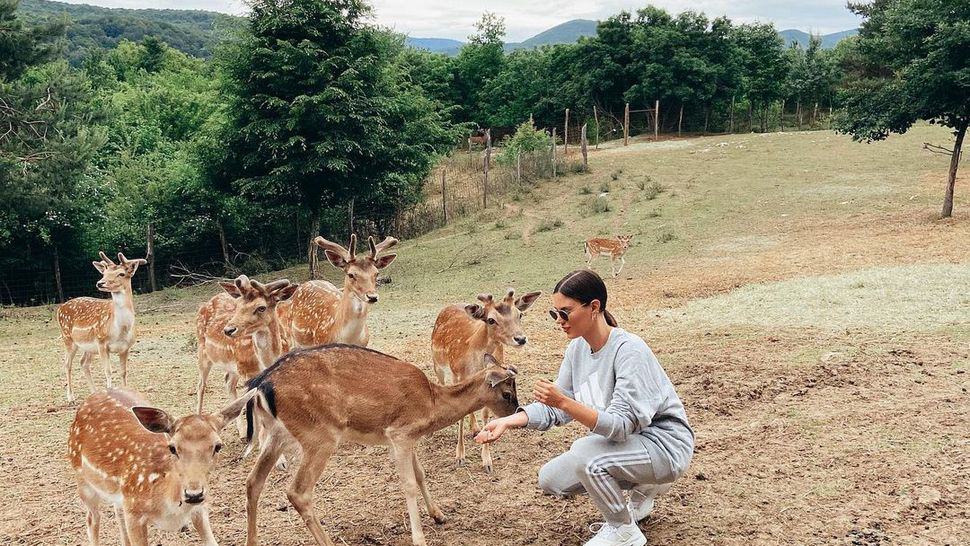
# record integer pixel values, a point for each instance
(581, 317)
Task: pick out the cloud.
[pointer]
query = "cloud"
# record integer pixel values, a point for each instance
(523, 19)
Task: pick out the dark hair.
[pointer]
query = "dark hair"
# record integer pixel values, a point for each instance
(584, 286)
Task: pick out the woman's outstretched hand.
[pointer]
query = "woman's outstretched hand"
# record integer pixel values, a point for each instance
(492, 431)
(549, 394)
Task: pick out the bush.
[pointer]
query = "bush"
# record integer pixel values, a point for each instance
(594, 205)
(527, 139)
(652, 190)
(585, 190)
(548, 225)
(666, 237)
(605, 187)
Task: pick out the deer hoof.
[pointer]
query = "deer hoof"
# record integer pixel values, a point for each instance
(281, 463)
(459, 461)
(438, 516)
(487, 468)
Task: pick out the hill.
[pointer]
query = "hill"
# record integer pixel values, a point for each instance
(566, 33)
(828, 40)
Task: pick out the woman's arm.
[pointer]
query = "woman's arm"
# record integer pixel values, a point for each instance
(550, 395)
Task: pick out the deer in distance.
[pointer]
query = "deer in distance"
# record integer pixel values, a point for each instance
(612, 248)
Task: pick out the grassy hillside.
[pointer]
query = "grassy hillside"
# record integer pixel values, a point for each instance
(797, 287)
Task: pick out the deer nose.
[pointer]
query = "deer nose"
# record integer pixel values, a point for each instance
(520, 340)
(101, 284)
(194, 496)
(372, 298)
(229, 330)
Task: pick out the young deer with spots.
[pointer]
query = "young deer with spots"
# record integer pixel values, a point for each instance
(152, 469)
(94, 325)
(315, 399)
(613, 248)
(321, 313)
(463, 334)
(239, 332)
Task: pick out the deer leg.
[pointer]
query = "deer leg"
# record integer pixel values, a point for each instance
(137, 530)
(120, 516)
(473, 427)
(232, 383)
(200, 520)
(123, 360)
(436, 513)
(105, 363)
(92, 503)
(68, 367)
(301, 492)
(205, 365)
(86, 359)
(486, 448)
(404, 457)
(460, 450)
(256, 481)
(622, 263)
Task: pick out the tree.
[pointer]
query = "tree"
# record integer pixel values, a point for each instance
(764, 65)
(480, 60)
(910, 62)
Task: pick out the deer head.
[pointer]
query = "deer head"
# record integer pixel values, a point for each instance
(501, 382)
(193, 443)
(503, 318)
(360, 272)
(256, 304)
(116, 277)
(624, 240)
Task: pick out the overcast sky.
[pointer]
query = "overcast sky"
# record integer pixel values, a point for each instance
(525, 18)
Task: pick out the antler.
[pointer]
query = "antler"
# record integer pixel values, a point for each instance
(376, 249)
(485, 298)
(510, 296)
(353, 247)
(243, 283)
(105, 258)
(333, 247)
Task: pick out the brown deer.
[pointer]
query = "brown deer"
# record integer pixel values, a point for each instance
(614, 248)
(95, 325)
(463, 334)
(318, 398)
(153, 469)
(320, 313)
(238, 331)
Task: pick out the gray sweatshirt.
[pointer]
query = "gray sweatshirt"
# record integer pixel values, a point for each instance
(631, 392)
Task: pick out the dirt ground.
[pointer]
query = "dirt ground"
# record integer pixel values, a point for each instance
(810, 434)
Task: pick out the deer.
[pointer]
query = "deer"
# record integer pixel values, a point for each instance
(614, 248)
(153, 469)
(238, 331)
(320, 313)
(463, 334)
(96, 325)
(316, 399)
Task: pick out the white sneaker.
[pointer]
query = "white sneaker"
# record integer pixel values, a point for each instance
(627, 534)
(642, 499)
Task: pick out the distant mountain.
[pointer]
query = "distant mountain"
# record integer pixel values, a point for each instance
(828, 40)
(191, 31)
(566, 33)
(436, 45)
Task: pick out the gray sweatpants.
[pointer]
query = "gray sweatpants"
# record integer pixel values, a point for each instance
(604, 469)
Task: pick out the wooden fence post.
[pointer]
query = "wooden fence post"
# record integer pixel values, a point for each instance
(680, 120)
(565, 136)
(781, 117)
(486, 164)
(798, 114)
(814, 114)
(553, 152)
(57, 276)
(444, 200)
(518, 168)
(626, 125)
(583, 145)
(596, 120)
(150, 257)
(732, 115)
(656, 120)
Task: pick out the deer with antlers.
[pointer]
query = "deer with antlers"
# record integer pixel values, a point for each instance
(238, 331)
(613, 248)
(153, 469)
(463, 334)
(320, 313)
(317, 398)
(94, 325)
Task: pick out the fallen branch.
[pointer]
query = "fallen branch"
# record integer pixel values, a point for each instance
(937, 149)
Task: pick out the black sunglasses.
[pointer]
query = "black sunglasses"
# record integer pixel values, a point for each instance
(562, 313)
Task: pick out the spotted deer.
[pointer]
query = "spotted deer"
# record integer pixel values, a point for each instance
(151, 468)
(613, 248)
(95, 325)
(315, 399)
(238, 331)
(463, 334)
(320, 313)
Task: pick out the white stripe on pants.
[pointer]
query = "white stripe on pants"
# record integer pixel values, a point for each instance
(602, 469)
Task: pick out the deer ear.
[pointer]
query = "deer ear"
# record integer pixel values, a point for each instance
(230, 412)
(335, 259)
(231, 288)
(153, 419)
(475, 311)
(490, 360)
(284, 293)
(496, 377)
(133, 264)
(527, 300)
(99, 266)
(384, 261)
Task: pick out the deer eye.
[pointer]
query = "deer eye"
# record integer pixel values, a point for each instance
(173, 450)
(352, 276)
(218, 448)
(122, 274)
(261, 309)
(507, 396)
(492, 321)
